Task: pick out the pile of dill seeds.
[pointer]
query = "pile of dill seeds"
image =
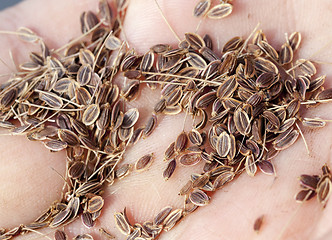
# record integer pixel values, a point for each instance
(245, 102)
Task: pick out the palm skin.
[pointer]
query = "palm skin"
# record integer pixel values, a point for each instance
(29, 185)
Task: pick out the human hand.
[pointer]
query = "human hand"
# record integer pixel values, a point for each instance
(29, 185)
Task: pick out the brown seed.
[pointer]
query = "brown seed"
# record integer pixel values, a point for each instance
(250, 165)
(160, 217)
(293, 108)
(90, 114)
(87, 220)
(306, 67)
(313, 122)
(272, 118)
(242, 121)
(324, 190)
(199, 198)
(200, 181)
(325, 94)
(95, 204)
(147, 61)
(223, 178)
(62, 85)
(287, 141)
(143, 163)
(55, 145)
(160, 48)
(60, 235)
(60, 218)
(195, 41)
(233, 44)
(309, 181)
(305, 195)
(263, 65)
(196, 61)
(86, 57)
(258, 223)
(268, 49)
(172, 219)
(201, 8)
(169, 170)
(227, 88)
(295, 40)
(205, 100)
(123, 171)
(195, 137)
(121, 223)
(169, 151)
(286, 54)
(266, 167)
(83, 237)
(84, 75)
(150, 125)
(8, 98)
(82, 95)
(316, 83)
(113, 43)
(51, 99)
(130, 118)
(106, 233)
(76, 170)
(79, 127)
(223, 144)
(266, 80)
(181, 142)
(220, 11)
(160, 106)
(190, 159)
(68, 137)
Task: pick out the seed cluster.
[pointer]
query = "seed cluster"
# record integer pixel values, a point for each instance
(244, 104)
(320, 185)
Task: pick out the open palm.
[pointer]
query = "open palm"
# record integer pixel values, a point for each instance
(29, 183)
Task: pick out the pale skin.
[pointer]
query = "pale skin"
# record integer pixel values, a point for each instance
(29, 184)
